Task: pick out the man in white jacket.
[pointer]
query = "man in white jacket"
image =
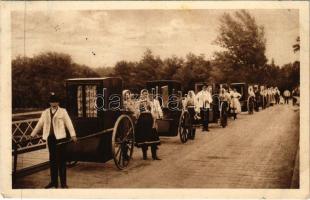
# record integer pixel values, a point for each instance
(54, 121)
(204, 99)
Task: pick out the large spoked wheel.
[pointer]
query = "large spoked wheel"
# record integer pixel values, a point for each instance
(123, 140)
(185, 126)
(250, 104)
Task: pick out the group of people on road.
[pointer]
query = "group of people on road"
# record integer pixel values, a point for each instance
(200, 104)
(145, 111)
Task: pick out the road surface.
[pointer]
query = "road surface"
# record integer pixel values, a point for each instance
(254, 151)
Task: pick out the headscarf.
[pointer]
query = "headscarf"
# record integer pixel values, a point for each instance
(124, 94)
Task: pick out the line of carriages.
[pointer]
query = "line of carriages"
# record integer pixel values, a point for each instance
(106, 130)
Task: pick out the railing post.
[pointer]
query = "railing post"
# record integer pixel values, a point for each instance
(15, 162)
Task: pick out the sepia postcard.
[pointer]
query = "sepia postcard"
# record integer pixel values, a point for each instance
(154, 99)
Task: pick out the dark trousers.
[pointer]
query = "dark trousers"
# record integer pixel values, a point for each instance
(224, 113)
(204, 113)
(277, 99)
(153, 150)
(57, 162)
(286, 100)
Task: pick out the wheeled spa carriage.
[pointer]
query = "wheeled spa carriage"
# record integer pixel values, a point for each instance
(176, 121)
(104, 130)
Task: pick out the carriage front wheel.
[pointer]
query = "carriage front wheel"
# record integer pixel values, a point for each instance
(185, 126)
(123, 140)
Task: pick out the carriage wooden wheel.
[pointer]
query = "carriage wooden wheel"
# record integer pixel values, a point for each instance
(250, 104)
(123, 141)
(184, 126)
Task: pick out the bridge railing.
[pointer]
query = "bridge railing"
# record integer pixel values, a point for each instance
(22, 126)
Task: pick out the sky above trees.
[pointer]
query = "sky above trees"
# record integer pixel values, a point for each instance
(102, 38)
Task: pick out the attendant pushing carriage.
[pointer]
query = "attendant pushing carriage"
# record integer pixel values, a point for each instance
(235, 105)
(225, 100)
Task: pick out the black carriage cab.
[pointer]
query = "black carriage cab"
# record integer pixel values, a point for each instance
(175, 121)
(93, 103)
(168, 93)
(96, 109)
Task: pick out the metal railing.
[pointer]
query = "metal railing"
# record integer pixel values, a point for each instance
(21, 130)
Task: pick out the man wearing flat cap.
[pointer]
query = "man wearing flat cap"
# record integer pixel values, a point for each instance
(54, 121)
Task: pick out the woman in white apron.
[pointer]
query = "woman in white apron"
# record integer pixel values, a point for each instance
(235, 103)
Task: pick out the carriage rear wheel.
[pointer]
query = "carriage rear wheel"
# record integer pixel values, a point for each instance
(185, 126)
(123, 140)
(250, 105)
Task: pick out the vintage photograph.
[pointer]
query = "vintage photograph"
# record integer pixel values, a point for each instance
(155, 98)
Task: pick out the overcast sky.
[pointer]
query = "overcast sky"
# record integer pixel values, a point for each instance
(101, 38)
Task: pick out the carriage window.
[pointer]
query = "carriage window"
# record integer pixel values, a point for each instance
(90, 98)
(165, 95)
(86, 101)
(80, 101)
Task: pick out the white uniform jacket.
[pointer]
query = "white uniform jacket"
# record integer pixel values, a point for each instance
(203, 99)
(61, 121)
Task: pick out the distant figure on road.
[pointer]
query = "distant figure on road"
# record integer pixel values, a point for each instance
(235, 103)
(257, 98)
(225, 101)
(263, 94)
(204, 99)
(295, 95)
(277, 95)
(286, 95)
(54, 120)
(272, 96)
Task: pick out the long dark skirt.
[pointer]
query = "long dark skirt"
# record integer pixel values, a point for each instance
(145, 133)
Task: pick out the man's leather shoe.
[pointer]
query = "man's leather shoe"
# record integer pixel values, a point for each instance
(156, 158)
(65, 186)
(51, 185)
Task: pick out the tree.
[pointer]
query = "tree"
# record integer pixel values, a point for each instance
(149, 68)
(194, 69)
(34, 78)
(171, 66)
(243, 42)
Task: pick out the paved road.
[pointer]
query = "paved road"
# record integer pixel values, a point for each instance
(255, 151)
